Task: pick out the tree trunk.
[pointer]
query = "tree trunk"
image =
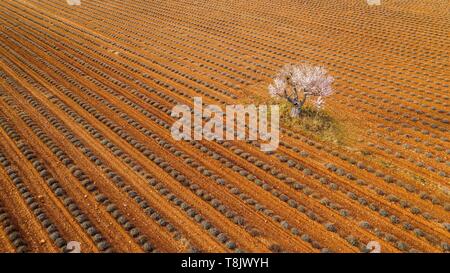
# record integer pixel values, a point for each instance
(298, 105)
(301, 103)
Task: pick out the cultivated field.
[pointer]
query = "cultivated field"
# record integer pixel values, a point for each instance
(86, 152)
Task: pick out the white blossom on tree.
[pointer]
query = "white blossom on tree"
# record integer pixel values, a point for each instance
(297, 82)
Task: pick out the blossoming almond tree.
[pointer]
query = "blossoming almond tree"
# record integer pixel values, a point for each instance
(297, 82)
